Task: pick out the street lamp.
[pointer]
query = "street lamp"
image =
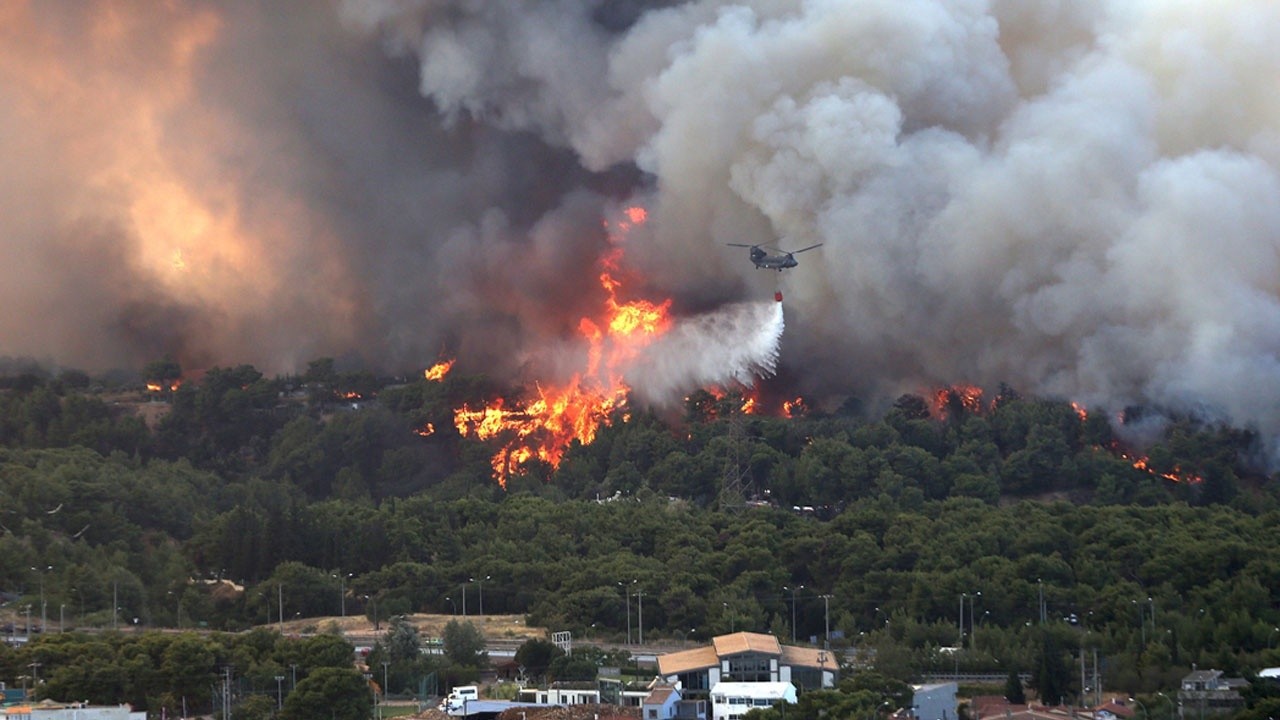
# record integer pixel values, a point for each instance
(481, 584)
(626, 597)
(384, 685)
(44, 621)
(793, 608)
(1145, 715)
(279, 692)
(453, 604)
(342, 590)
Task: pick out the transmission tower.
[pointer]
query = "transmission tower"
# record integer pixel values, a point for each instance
(735, 481)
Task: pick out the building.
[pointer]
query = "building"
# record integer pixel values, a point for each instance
(732, 700)
(49, 710)
(660, 703)
(936, 701)
(1206, 692)
(562, 694)
(746, 658)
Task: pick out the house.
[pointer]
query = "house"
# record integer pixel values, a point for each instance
(732, 700)
(746, 657)
(660, 704)
(994, 707)
(1208, 692)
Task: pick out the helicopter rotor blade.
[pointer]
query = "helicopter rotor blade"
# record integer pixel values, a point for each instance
(739, 245)
(796, 252)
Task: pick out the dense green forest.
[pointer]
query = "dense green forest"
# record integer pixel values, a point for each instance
(1019, 531)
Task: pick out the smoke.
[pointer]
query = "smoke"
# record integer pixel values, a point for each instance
(1076, 198)
(734, 344)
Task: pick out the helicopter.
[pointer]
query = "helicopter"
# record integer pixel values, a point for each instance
(779, 262)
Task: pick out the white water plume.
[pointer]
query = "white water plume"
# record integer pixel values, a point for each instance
(733, 344)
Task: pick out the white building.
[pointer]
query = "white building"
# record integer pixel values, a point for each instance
(660, 703)
(747, 657)
(561, 696)
(49, 710)
(732, 700)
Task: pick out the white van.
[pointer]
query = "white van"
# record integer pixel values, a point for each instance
(457, 699)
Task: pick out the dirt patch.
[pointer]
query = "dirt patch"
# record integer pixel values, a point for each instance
(493, 627)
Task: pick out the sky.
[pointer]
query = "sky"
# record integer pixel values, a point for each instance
(1079, 199)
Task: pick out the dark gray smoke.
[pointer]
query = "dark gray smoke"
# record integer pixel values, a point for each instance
(1076, 198)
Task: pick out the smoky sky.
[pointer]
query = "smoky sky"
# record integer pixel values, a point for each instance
(1076, 198)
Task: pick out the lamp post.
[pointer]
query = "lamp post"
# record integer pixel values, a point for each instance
(826, 622)
(279, 692)
(385, 663)
(464, 599)
(342, 591)
(1173, 709)
(626, 597)
(793, 608)
(1145, 715)
(453, 605)
(480, 582)
(44, 621)
(640, 615)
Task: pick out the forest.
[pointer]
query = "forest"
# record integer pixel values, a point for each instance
(1017, 534)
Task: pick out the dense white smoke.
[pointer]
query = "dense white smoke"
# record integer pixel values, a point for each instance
(735, 344)
(1078, 198)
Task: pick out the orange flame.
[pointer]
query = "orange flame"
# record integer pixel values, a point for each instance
(545, 427)
(426, 430)
(437, 372)
(1080, 411)
(160, 387)
(967, 397)
(1177, 475)
(794, 408)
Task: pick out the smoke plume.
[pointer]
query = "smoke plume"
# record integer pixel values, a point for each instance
(1076, 198)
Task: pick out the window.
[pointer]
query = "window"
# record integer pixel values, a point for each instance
(751, 668)
(653, 714)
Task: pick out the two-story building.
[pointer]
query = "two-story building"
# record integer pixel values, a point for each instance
(746, 657)
(1207, 692)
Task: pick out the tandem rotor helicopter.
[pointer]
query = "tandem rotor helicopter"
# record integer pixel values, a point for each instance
(781, 261)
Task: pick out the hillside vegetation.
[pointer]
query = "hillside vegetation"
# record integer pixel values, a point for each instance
(1018, 531)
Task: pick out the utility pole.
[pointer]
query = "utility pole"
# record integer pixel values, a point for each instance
(115, 603)
(280, 599)
(464, 599)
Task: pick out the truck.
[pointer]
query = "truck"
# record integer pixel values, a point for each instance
(457, 698)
